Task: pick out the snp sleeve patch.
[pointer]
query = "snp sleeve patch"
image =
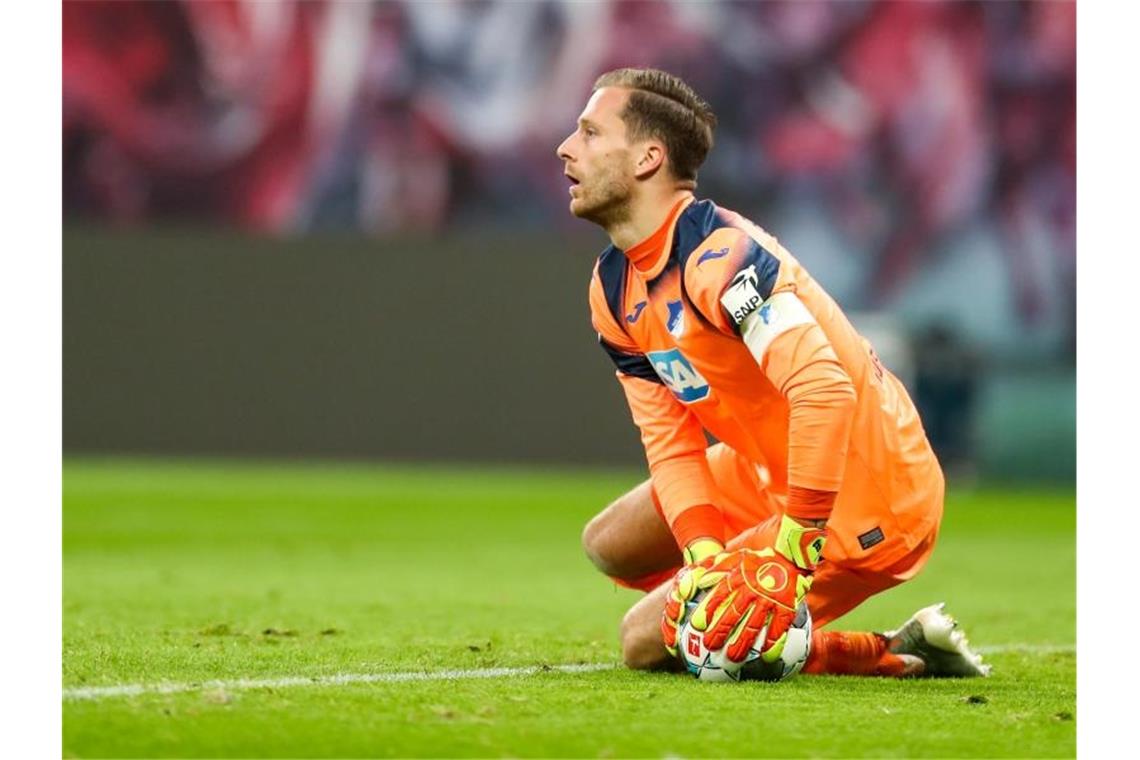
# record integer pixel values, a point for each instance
(777, 315)
(742, 297)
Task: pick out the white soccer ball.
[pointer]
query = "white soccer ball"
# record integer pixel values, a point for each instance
(715, 666)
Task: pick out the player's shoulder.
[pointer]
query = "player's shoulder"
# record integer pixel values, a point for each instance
(724, 250)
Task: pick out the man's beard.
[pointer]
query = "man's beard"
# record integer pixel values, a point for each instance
(607, 204)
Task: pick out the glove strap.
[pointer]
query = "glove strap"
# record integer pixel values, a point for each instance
(802, 545)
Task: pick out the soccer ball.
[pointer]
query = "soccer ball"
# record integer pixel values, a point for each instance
(714, 666)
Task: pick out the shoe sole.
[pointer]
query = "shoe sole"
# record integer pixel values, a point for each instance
(935, 638)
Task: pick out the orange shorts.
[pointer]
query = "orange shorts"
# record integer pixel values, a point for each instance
(752, 514)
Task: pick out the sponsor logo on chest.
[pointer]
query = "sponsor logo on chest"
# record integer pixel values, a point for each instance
(679, 375)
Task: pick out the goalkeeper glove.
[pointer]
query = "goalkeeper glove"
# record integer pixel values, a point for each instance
(701, 557)
(759, 591)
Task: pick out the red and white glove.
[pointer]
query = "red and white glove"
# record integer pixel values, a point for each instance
(758, 591)
(700, 572)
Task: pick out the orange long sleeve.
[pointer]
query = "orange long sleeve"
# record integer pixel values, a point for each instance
(675, 445)
(821, 398)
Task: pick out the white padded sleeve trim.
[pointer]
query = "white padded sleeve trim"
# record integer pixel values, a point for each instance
(777, 315)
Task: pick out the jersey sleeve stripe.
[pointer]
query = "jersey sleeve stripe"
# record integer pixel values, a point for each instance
(634, 365)
(611, 273)
(767, 267)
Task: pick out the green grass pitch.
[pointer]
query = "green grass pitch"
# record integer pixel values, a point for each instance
(180, 573)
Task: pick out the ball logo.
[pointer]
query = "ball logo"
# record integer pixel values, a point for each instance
(693, 644)
(772, 577)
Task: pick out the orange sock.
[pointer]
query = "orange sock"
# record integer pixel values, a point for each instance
(849, 653)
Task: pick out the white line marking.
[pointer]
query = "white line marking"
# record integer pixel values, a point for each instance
(132, 690)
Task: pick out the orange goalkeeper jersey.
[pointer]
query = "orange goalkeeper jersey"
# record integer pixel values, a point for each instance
(713, 326)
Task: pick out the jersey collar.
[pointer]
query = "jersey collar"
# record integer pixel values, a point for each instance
(650, 255)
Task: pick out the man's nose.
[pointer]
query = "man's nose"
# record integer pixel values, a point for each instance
(563, 150)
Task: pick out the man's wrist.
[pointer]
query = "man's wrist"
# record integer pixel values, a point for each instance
(697, 522)
(809, 504)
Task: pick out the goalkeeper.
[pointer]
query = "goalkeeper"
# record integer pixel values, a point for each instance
(822, 486)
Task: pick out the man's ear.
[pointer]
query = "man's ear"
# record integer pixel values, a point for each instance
(649, 159)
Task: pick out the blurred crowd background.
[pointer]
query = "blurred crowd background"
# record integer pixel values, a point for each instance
(918, 157)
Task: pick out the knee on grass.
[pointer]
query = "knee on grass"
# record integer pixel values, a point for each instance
(641, 645)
